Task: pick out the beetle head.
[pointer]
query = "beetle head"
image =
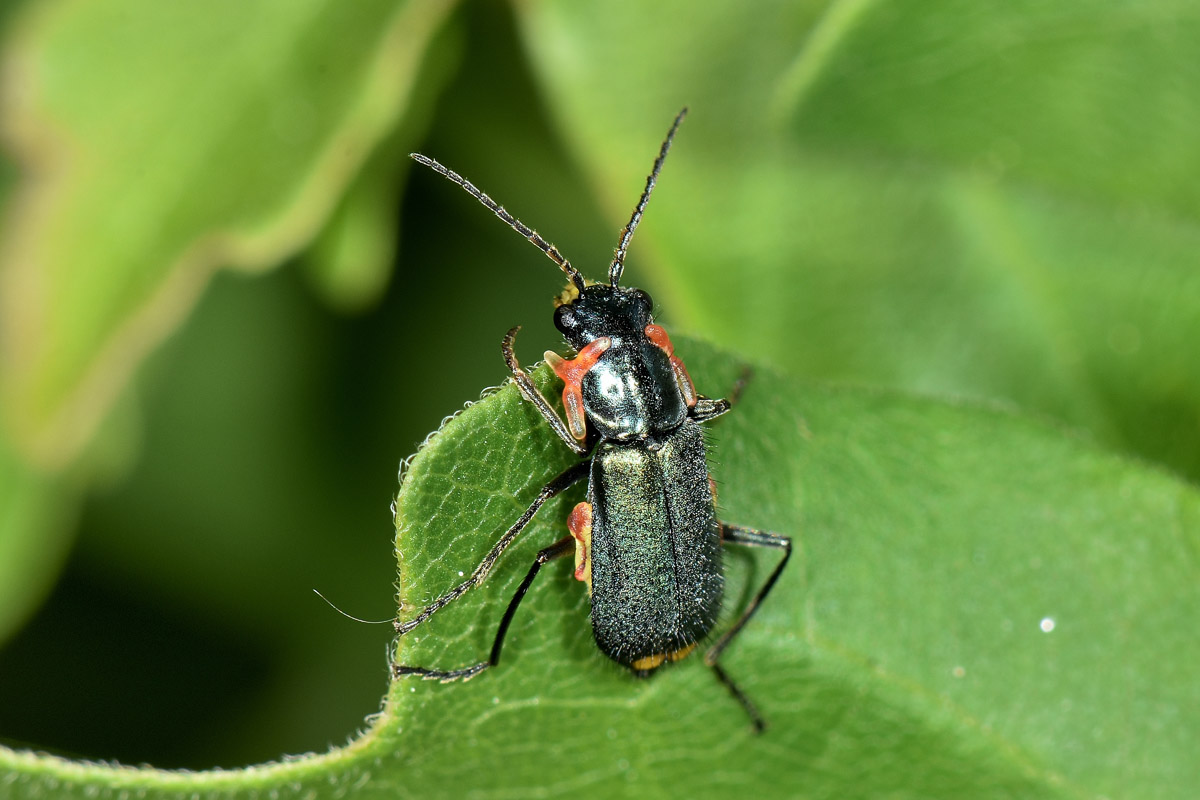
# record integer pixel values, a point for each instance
(603, 310)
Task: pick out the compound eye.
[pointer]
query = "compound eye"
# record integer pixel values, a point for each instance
(643, 299)
(564, 318)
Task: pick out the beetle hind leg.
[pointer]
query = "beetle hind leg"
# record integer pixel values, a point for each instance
(736, 534)
(564, 481)
(559, 549)
(747, 705)
(568, 478)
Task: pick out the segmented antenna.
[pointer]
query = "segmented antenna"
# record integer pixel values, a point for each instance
(499, 210)
(618, 264)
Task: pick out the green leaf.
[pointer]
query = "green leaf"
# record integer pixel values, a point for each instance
(159, 143)
(979, 606)
(351, 260)
(36, 512)
(996, 200)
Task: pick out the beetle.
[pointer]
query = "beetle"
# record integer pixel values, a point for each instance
(646, 539)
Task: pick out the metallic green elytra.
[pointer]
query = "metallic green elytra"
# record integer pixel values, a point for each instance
(647, 541)
(656, 547)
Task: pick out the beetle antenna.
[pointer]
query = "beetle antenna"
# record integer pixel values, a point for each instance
(618, 263)
(351, 616)
(512, 222)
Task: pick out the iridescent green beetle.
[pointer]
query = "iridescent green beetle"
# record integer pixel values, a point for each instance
(647, 541)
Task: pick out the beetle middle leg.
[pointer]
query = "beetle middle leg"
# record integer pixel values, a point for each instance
(736, 534)
(739, 386)
(707, 408)
(559, 549)
(566, 479)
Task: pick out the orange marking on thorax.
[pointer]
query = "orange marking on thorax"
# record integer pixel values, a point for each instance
(659, 338)
(579, 523)
(572, 371)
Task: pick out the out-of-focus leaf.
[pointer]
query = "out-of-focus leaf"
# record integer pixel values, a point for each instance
(979, 606)
(159, 142)
(989, 199)
(35, 516)
(351, 260)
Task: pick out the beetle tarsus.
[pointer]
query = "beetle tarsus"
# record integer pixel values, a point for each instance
(756, 719)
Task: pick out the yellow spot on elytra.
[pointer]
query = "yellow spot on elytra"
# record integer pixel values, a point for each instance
(678, 655)
(649, 662)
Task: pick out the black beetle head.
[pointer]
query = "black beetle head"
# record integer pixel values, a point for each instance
(603, 310)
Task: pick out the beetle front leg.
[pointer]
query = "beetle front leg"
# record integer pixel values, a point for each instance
(531, 393)
(736, 534)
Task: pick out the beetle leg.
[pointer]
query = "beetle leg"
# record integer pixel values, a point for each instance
(707, 408)
(557, 550)
(571, 371)
(579, 523)
(554, 487)
(562, 547)
(739, 386)
(531, 393)
(736, 534)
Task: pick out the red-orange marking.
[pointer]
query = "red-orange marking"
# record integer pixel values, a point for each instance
(572, 371)
(659, 338)
(579, 523)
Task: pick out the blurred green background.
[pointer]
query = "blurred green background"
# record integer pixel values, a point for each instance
(968, 201)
